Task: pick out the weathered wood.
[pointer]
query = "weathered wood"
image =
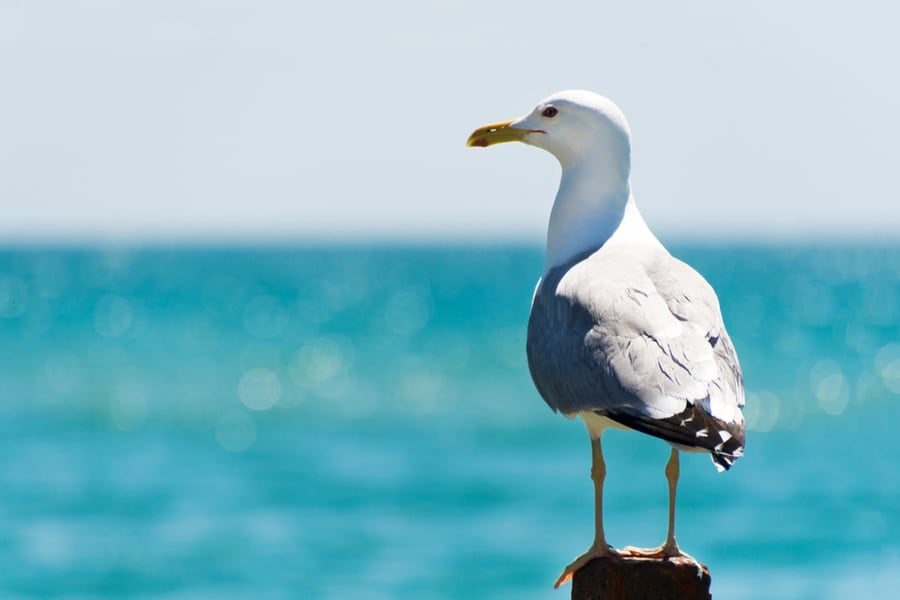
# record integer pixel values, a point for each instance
(636, 578)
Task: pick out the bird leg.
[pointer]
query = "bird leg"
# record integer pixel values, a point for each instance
(599, 547)
(670, 548)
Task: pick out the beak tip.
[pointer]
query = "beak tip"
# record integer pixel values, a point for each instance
(480, 142)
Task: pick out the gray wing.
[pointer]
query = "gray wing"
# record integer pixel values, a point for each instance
(640, 340)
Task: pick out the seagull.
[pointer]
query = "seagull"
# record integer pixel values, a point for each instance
(621, 333)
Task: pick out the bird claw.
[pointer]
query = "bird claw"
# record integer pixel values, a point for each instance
(664, 552)
(669, 549)
(592, 553)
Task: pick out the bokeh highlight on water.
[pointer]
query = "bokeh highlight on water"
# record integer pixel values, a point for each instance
(359, 423)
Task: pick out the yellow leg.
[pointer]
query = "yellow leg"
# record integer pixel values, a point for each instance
(599, 547)
(670, 546)
(673, 471)
(598, 475)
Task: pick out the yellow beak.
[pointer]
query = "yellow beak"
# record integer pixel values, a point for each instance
(497, 133)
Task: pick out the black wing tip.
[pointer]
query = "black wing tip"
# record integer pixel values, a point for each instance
(725, 461)
(724, 452)
(727, 453)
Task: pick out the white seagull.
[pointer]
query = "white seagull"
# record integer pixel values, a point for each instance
(621, 333)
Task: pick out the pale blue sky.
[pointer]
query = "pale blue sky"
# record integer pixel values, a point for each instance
(322, 120)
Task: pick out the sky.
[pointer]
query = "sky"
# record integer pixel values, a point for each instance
(311, 121)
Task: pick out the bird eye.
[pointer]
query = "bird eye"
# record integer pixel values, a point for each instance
(550, 112)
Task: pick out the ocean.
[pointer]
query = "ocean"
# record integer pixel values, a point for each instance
(359, 422)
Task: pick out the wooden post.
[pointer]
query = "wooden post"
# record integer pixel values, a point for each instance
(636, 578)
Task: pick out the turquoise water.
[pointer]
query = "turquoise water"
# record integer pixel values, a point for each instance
(360, 423)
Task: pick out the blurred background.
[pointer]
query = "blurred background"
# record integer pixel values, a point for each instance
(262, 314)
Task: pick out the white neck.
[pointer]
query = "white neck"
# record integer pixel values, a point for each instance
(593, 208)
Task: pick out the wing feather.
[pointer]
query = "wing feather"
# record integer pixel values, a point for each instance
(638, 338)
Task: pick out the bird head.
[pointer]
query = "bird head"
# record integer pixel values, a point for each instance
(571, 125)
